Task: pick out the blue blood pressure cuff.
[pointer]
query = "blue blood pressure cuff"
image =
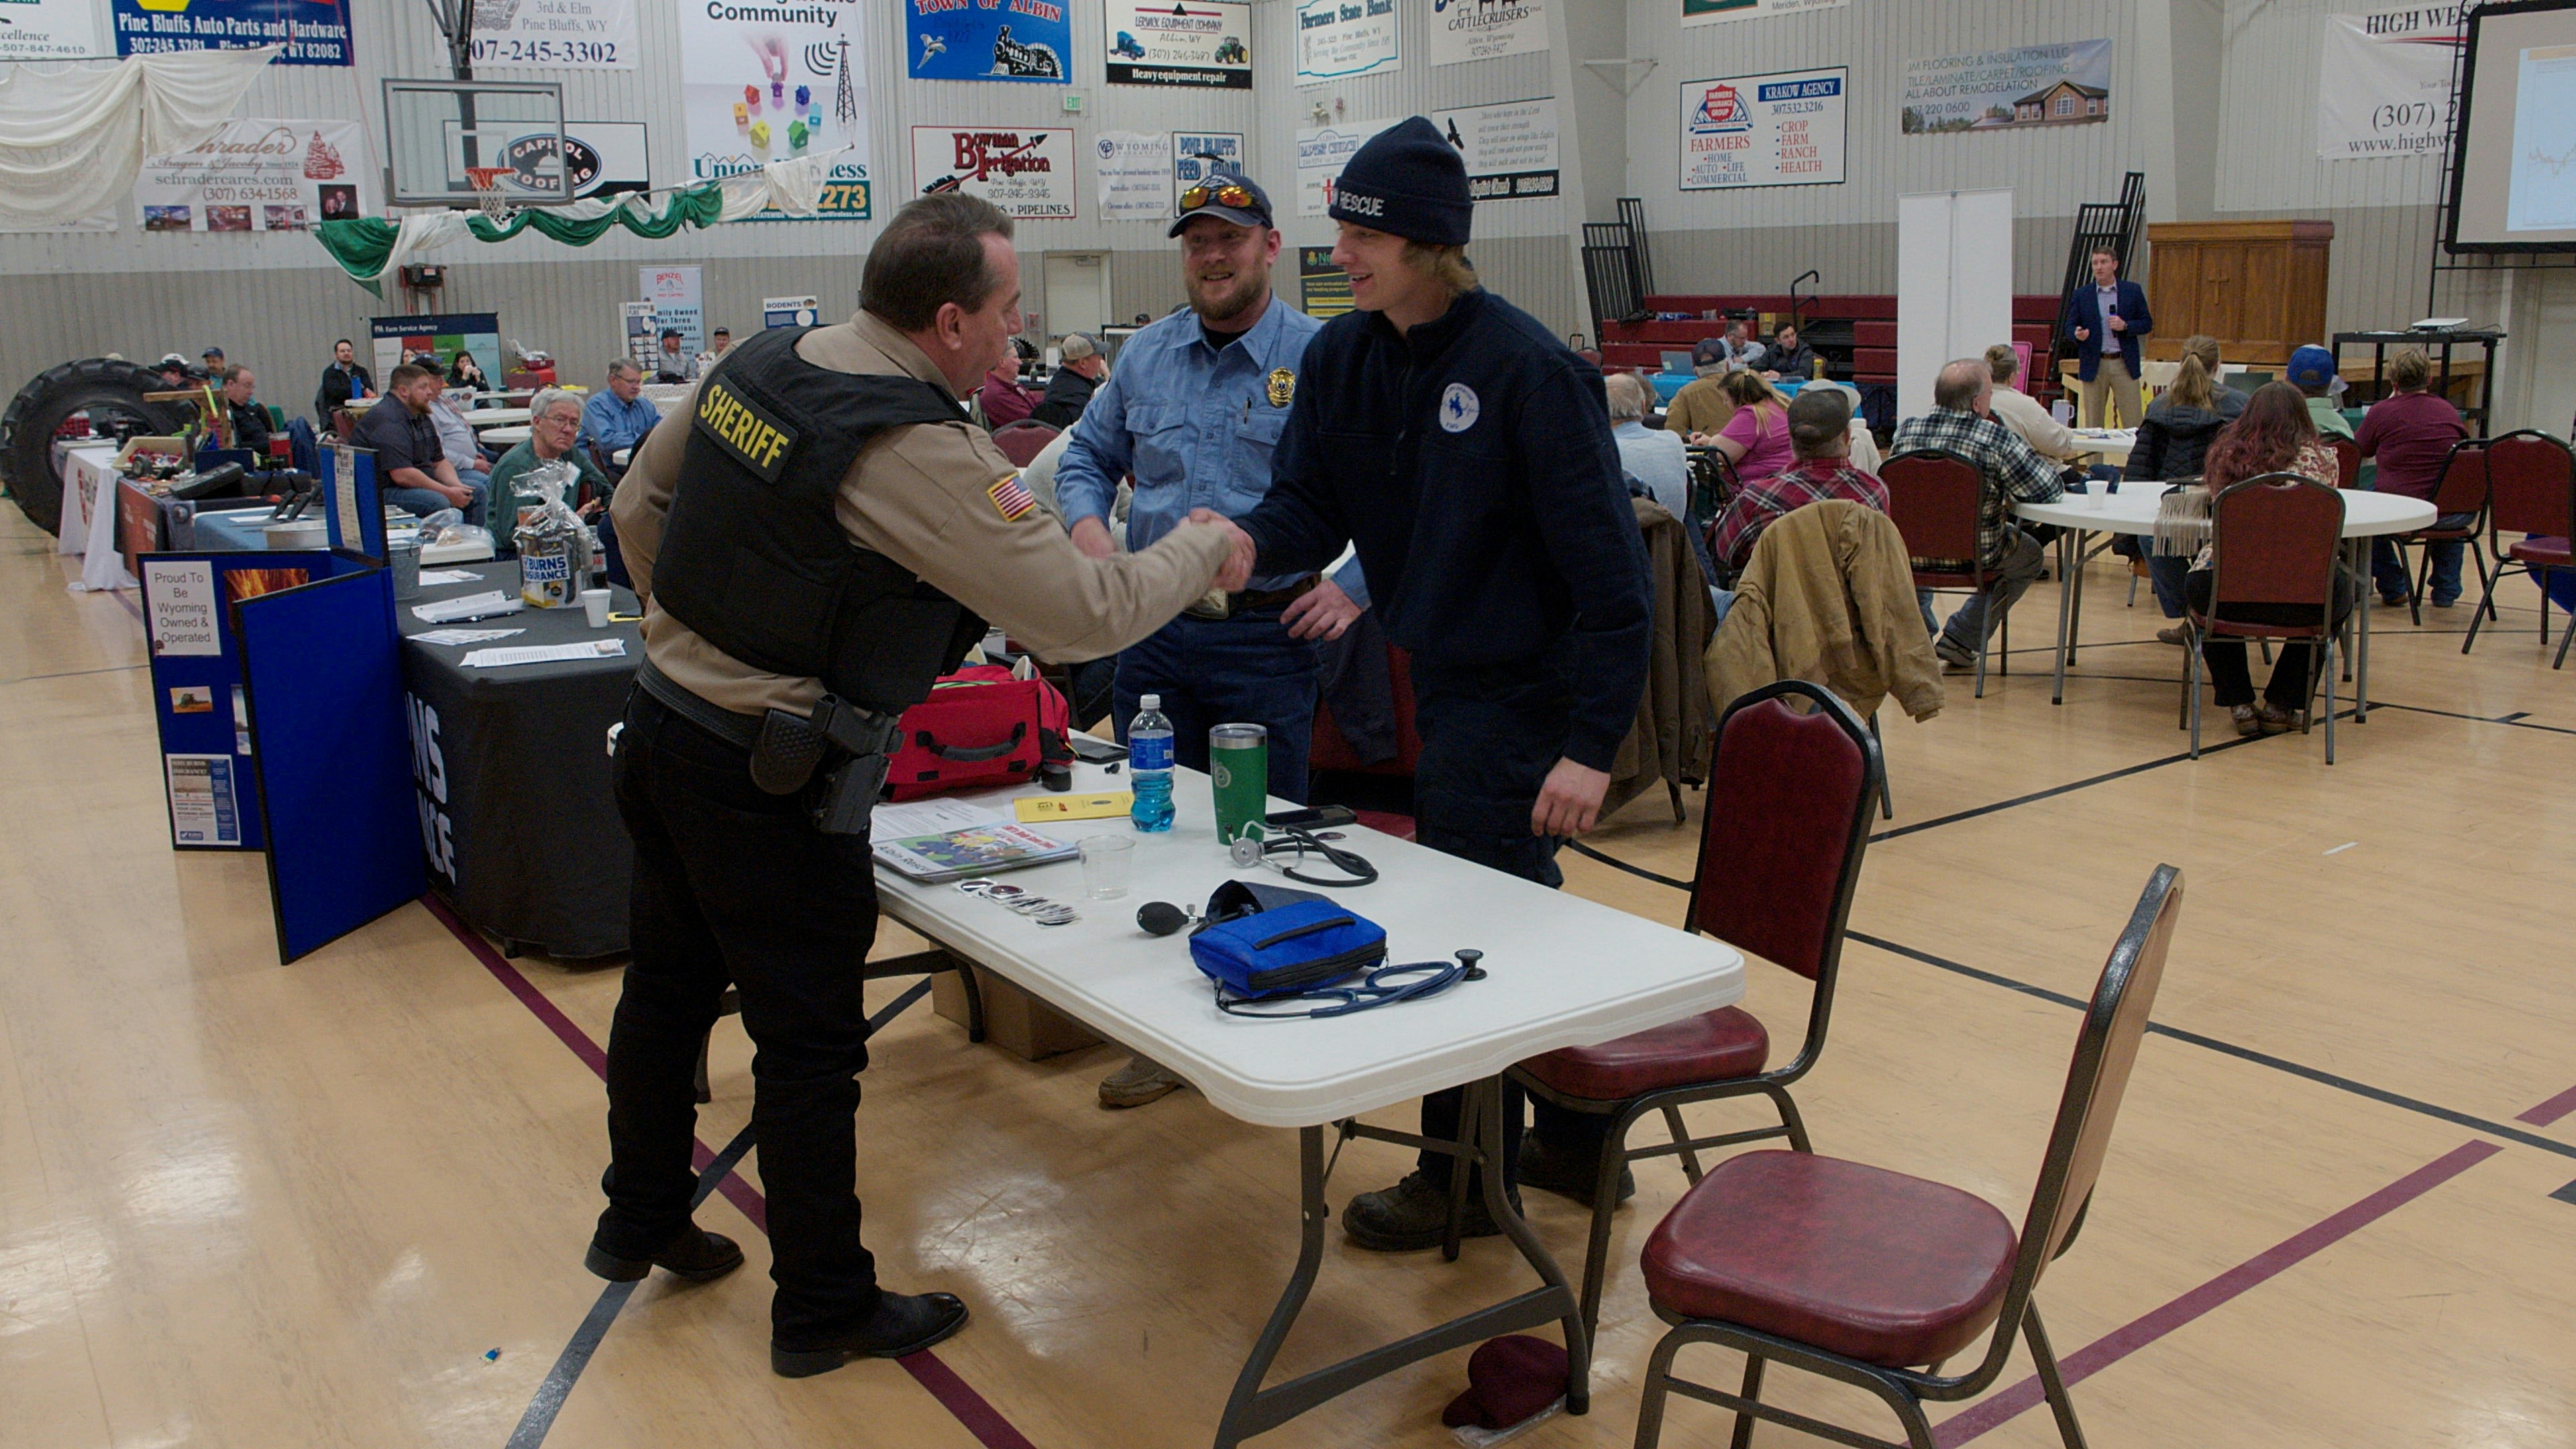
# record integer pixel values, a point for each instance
(1292, 942)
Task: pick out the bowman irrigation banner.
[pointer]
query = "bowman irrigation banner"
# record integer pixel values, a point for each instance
(50, 30)
(314, 32)
(1202, 43)
(2384, 88)
(1710, 12)
(1510, 149)
(1338, 39)
(554, 34)
(1196, 153)
(2027, 88)
(1764, 130)
(755, 90)
(989, 40)
(1464, 30)
(1322, 152)
(1026, 171)
(256, 175)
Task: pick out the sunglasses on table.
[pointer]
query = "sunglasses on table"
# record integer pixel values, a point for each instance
(1226, 195)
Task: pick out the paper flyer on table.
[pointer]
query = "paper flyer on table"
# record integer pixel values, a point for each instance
(472, 606)
(976, 851)
(546, 653)
(465, 636)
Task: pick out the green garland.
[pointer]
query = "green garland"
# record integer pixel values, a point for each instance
(363, 247)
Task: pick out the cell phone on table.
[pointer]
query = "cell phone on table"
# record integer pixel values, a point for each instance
(1098, 751)
(1320, 817)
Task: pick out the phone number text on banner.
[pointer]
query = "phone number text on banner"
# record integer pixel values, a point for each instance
(1763, 130)
(314, 32)
(1028, 173)
(555, 34)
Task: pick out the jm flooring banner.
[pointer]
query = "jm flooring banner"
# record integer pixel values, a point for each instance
(1026, 171)
(1134, 169)
(1322, 152)
(1195, 153)
(763, 83)
(314, 32)
(1510, 149)
(1710, 12)
(1764, 130)
(1202, 43)
(1465, 30)
(2009, 90)
(2384, 88)
(554, 34)
(1338, 39)
(50, 30)
(989, 40)
(256, 175)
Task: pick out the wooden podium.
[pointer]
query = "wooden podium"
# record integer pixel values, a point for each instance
(2259, 287)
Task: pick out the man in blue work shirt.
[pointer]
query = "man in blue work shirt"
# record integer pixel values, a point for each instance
(1468, 455)
(618, 416)
(1193, 411)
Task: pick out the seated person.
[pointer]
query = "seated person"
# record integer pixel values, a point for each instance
(412, 471)
(2022, 413)
(619, 415)
(456, 436)
(1819, 431)
(466, 373)
(674, 363)
(2273, 435)
(1701, 407)
(2178, 428)
(1756, 436)
(1789, 357)
(2312, 372)
(2410, 432)
(342, 381)
(1001, 398)
(1069, 391)
(1656, 459)
(249, 418)
(1962, 422)
(554, 435)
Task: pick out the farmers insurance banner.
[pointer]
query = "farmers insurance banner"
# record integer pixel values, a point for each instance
(262, 176)
(2385, 86)
(761, 83)
(1510, 149)
(314, 32)
(1338, 39)
(1763, 130)
(1464, 30)
(989, 40)
(2009, 90)
(1188, 43)
(1027, 172)
(554, 34)
(49, 29)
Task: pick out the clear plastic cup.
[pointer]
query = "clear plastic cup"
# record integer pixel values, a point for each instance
(1106, 861)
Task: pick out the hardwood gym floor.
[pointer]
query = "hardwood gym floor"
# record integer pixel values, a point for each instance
(344, 1202)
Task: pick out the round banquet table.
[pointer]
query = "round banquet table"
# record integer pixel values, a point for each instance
(2132, 510)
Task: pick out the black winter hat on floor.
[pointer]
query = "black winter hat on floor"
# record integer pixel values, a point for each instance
(1407, 181)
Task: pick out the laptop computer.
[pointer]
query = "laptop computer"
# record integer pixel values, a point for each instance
(1676, 361)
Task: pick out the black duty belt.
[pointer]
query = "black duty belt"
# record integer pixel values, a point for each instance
(724, 724)
(1246, 601)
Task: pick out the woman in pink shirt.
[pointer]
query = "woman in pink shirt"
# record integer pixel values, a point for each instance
(1756, 438)
(2411, 432)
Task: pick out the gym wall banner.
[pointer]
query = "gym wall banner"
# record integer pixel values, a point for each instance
(1322, 152)
(608, 159)
(790, 311)
(1202, 43)
(261, 175)
(2385, 86)
(1133, 170)
(1465, 30)
(678, 295)
(443, 335)
(314, 32)
(1510, 149)
(756, 89)
(989, 40)
(1784, 129)
(1339, 39)
(1191, 151)
(2030, 87)
(554, 34)
(1027, 172)
(51, 30)
(1710, 12)
(1323, 290)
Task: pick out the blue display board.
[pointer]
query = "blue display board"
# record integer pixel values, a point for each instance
(350, 504)
(314, 32)
(989, 40)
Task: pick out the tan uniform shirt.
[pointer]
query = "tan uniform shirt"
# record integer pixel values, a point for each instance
(922, 496)
(1700, 407)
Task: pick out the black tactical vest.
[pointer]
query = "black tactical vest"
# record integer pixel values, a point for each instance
(753, 558)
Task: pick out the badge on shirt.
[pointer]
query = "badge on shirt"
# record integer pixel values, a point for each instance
(1011, 498)
(1283, 386)
(1458, 408)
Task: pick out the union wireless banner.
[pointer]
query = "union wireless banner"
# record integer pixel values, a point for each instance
(760, 84)
(1027, 172)
(258, 175)
(314, 32)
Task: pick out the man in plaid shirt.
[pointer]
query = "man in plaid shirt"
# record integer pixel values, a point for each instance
(1819, 422)
(1963, 422)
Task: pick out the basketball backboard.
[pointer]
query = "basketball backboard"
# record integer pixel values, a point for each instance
(446, 139)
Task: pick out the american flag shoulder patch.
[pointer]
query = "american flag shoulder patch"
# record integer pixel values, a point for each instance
(1011, 498)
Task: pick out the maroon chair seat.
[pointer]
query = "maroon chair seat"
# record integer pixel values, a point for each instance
(2531, 489)
(1711, 1047)
(1022, 441)
(2546, 551)
(1856, 1260)
(2463, 488)
(1935, 499)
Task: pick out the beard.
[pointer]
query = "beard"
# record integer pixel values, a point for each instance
(1225, 301)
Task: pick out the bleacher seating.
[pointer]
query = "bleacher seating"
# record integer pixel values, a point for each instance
(1870, 318)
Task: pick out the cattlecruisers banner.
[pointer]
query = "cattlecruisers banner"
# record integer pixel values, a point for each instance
(2026, 88)
(760, 84)
(1465, 30)
(2384, 85)
(257, 175)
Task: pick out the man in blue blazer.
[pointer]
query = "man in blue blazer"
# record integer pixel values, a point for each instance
(2105, 321)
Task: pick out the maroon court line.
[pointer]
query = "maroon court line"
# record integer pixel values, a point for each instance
(954, 1394)
(2551, 1110)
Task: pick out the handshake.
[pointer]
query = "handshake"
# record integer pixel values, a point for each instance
(1236, 571)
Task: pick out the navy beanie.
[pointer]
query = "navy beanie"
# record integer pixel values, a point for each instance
(1409, 182)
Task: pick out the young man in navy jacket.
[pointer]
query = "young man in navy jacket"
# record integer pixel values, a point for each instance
(2105, 322)
(1468, 456)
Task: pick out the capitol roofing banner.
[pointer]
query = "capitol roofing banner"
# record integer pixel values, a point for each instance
(1338, 39)
(256, 175)
(1465, 30)
(314, 32)
(1784, 129)
(1710, 12)
(1026, 171)
(1201, 43)
(989, 40)
(762, 83)
(1510, 149)
(554, 34)
(2385, 86)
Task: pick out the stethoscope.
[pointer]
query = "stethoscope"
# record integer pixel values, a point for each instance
(1250, 850)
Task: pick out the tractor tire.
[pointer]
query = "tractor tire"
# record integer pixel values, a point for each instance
(109, 389)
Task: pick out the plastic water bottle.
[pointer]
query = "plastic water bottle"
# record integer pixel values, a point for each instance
(1149, 765)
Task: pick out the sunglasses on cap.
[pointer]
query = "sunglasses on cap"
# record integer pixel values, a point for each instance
(1230, 194)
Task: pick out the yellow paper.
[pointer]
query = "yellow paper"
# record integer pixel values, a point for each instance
(1034, 808)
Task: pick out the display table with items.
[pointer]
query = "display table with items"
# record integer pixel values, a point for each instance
(88, 519)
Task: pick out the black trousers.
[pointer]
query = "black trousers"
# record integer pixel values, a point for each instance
(2293, 668)
(736, 886)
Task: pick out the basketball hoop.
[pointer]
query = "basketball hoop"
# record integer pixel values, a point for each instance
(487, 186)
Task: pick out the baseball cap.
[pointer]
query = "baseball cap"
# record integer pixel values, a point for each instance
(211, 352)
(1255, 210)
(670, 332)
(1710, 352)
(2311, 366)
(1076, 347)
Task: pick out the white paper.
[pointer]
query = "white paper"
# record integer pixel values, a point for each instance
(182, 592)
(465, 636)
(931, 817)
(472, 606)
(545, 653)
(449, 576)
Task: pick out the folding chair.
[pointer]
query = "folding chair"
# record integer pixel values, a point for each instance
(2531, 490)
(2280, 542)
(1022, 441)
(1866, 1276)
(2347, 460)
(2463, 489)
(1935, 497)
(1786, 824)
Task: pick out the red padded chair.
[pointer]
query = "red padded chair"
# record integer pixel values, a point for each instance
(1934, 496)
(2463, 489)
(1021, 442)
(2280, 541)
(2347, 460)
(1867, 1276)
(2531, 490)
(1787, 821)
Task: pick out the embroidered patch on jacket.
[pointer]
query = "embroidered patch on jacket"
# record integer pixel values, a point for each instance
(1010, 498)
(1458, 408)
(743, 428)
(1283, 386)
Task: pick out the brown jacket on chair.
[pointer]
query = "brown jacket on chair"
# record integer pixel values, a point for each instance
(1828, 596)
(1672, 736)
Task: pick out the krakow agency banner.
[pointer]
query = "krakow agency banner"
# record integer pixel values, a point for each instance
(256, 175)
(1763, 130)
(1510, 149)
(1464, 30)
(1338, 39)
(554, 34)
(1202, 43)
(989, 40)
(2385, 86)
(756, 89)
(2009, 90)
(1026, 172)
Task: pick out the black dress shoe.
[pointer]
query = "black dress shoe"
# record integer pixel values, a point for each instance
(1413, 1215)
(902, 1323)
(693, 1253)
(1553, 1169)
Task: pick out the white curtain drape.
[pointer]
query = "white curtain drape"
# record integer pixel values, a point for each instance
(72, 141)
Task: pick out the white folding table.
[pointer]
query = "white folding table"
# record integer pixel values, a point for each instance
(1560, 971)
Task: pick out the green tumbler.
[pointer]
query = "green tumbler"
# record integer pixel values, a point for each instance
(1239, 763)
